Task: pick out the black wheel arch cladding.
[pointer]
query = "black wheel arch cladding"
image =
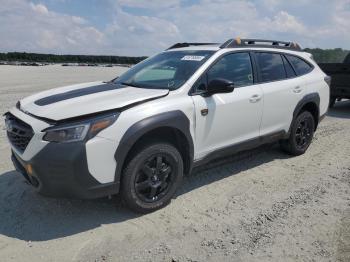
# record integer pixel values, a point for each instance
(312, 99)
(175, 120)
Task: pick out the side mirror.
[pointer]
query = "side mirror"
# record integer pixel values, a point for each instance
(220, 85)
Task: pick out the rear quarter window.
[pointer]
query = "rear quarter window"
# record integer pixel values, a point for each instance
(289, 69)
(300, 66)
(271, 67)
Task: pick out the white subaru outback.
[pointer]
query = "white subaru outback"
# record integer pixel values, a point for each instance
(140, 133)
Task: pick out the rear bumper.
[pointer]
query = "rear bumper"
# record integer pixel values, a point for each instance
(61, 170)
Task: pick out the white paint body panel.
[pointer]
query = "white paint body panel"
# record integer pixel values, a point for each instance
(87, 104)
(231, 118)
(280, 100)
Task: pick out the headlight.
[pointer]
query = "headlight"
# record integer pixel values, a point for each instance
(67, 134)
(79, 131)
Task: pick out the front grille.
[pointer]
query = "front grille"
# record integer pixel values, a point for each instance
(18, 132)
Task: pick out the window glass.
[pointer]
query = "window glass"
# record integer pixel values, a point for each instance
(201, 84)
(300, 66)
(155, 74)
(289, 69)
(271, 67)
(167, 70)
(235, 67)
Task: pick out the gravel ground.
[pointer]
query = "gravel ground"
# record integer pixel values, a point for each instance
(261, 205)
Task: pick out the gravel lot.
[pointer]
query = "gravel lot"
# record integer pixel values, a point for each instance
(261, 205)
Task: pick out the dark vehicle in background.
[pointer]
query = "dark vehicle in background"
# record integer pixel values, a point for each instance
(340, 84)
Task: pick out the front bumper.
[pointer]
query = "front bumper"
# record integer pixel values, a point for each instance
(61, 170)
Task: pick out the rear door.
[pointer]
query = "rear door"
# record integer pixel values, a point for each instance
(282, 91)
(226, 119)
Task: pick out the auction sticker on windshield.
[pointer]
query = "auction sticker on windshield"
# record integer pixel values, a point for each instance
(193, 58)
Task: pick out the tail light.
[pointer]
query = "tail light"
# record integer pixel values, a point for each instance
(328, 80)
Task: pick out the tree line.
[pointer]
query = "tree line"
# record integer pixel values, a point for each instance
(336, 55)
(50, 58)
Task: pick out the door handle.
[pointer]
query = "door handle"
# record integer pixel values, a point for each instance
(255, 98)
(204, 111)
(297, 89)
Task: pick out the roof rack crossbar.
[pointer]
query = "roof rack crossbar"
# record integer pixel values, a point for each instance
(260, 43)
(179, 45)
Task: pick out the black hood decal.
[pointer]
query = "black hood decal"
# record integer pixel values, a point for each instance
(76, 93)
(94, 114)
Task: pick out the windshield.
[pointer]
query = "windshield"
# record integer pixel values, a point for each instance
(168, 70)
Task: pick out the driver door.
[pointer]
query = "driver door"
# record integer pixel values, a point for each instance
(226, 119)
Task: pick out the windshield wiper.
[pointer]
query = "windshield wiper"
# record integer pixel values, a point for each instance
(129, 84)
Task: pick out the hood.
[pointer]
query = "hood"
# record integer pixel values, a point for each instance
(84, 99)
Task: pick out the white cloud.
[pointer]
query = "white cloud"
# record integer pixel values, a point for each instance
(285, 22)
(139, 34)
(149, 4)
(30, 27)
(153, 25)
(39, 8)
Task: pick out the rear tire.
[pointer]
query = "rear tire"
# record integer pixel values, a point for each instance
(151, 177)
(301, 134)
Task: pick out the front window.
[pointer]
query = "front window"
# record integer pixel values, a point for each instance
(168, 70)
(235, 67)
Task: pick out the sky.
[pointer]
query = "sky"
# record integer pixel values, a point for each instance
(145, 27)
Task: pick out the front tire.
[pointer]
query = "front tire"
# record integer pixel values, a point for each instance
(151, 177)
(302, 132)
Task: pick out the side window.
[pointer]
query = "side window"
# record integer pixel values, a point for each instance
(201, 84)
(271, 67)
(300, 66)
(289, 69)
(235, 67)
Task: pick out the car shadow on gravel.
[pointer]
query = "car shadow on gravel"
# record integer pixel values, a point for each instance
(230, 166)
(340, 110)
(28, 216)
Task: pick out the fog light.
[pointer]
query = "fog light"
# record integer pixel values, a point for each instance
(29, 169)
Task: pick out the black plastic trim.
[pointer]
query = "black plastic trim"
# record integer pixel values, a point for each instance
(243, 43)
(180, 45)
(322, 117)
(173, 119)
(309, 98)
(61, 170)
(312, 97)
(242, 146)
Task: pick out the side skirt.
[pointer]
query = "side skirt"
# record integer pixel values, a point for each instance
(243, 146)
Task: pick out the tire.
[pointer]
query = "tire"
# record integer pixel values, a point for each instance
(332, 101)
(151, 177)
(301, 134)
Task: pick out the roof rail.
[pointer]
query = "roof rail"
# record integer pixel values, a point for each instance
(179, 45)
(238, 42)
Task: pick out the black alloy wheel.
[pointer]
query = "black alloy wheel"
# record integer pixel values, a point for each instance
(304, 132)
(301, 134)
(154, 178)
(151, 177)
